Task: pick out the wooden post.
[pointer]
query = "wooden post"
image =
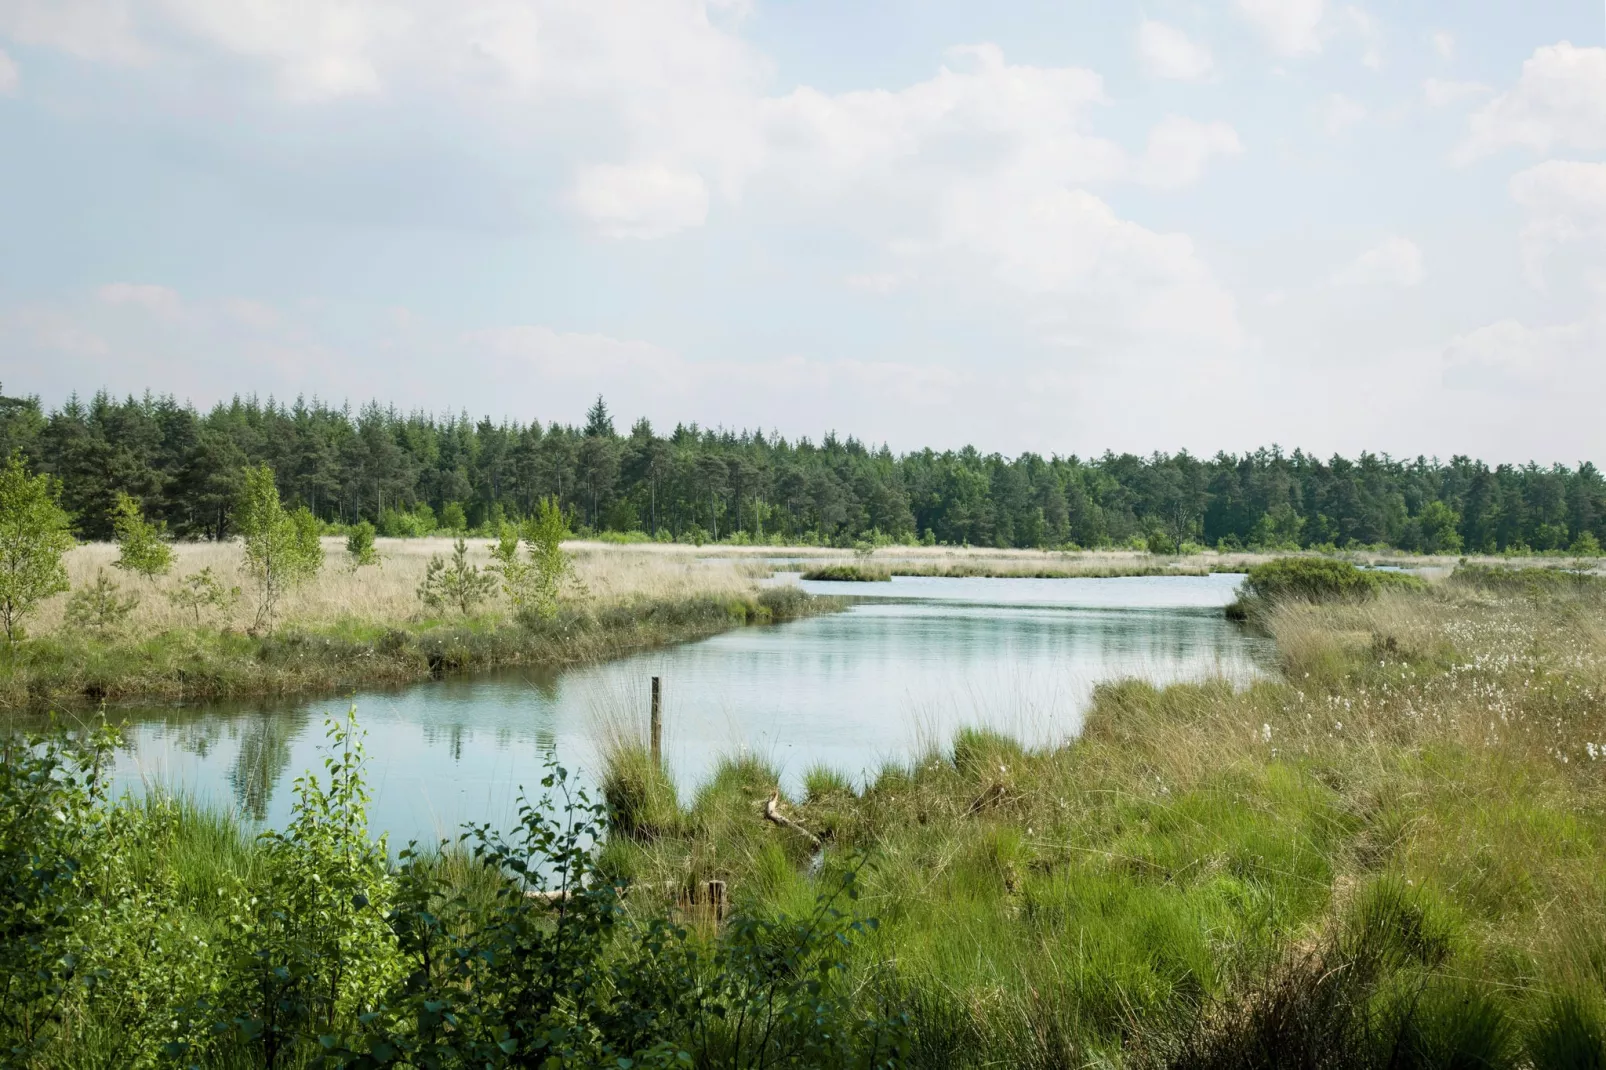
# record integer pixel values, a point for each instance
(657, 721)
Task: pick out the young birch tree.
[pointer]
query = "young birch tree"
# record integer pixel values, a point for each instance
(142, 548)
(282, 549)
(34, 534)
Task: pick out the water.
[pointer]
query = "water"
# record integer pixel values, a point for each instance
(909, 663)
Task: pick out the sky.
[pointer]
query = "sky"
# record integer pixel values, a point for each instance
(1028, 225)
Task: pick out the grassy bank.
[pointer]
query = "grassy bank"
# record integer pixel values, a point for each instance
(1396, 855)
(204, 664)
(351, 628)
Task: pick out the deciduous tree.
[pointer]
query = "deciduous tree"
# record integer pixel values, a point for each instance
(34, 534)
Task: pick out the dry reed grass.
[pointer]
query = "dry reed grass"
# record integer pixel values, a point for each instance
(387, 592)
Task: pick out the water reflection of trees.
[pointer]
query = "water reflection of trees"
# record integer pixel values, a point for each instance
(265, 737)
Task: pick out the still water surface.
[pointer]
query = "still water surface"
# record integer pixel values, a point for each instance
(909, 663)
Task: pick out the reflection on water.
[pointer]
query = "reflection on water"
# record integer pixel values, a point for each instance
(906, 666)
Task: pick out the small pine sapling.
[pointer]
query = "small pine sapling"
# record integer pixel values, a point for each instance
(202, 590)
(360, 545)
(458, 584)
(100, 607)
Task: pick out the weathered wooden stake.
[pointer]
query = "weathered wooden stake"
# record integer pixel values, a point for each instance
(657, 721)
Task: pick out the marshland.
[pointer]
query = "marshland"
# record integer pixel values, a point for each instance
(292, 797)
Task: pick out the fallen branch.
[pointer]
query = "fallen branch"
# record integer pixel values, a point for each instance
(772, 812)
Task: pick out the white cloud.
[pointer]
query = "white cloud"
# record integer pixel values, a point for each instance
(1180, 148)
(878, 282)
(1560, 360)
(1365, 26)
(1002, 117)
(1395, 261)
(1564, 202)
(10, 77)
(1443, 43)
(87, 29)
(1440, 93)
(1289, 27)
(1339, 113)
(1167, 52)
(642, 200)
(157, 300)
(1092, 280)
(1558, 102)
(251, 313)
(977, 169)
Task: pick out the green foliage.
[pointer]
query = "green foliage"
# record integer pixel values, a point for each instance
(1527, 581)
(1160, 543)
(1586, 545)
(51, 793)
(33, 537)
(144, 934)
(849, 573)
(282, 549)
(310, 946)
(1439, 526)
(1570, 1036)
(360, 548)
(202, 590)
(554, 972)
(100, 607)
(703, 483)
(141, 547)
(400, 524)
(459, 585)
(1314, 579)
(536, 582)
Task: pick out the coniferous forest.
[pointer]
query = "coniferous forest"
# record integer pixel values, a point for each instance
(413, 473)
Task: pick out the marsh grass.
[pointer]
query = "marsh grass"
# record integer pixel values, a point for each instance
(1393, 854)
(849, 572)
(366, 626)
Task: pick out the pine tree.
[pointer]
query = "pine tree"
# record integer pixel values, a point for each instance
(459, 584)
(101, 606)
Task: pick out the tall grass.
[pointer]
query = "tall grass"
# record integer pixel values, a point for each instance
(1394, 854)
(347, 629)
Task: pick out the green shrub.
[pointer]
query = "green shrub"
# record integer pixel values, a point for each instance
(850, 573)
(100, 607)
(1313, 579)
(360, 545)
(141, 546)
(143, 934)
(1526, 582)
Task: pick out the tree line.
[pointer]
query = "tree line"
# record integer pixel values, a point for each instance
(414, 472)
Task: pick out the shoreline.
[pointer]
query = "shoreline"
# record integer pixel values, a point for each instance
(218, 665)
